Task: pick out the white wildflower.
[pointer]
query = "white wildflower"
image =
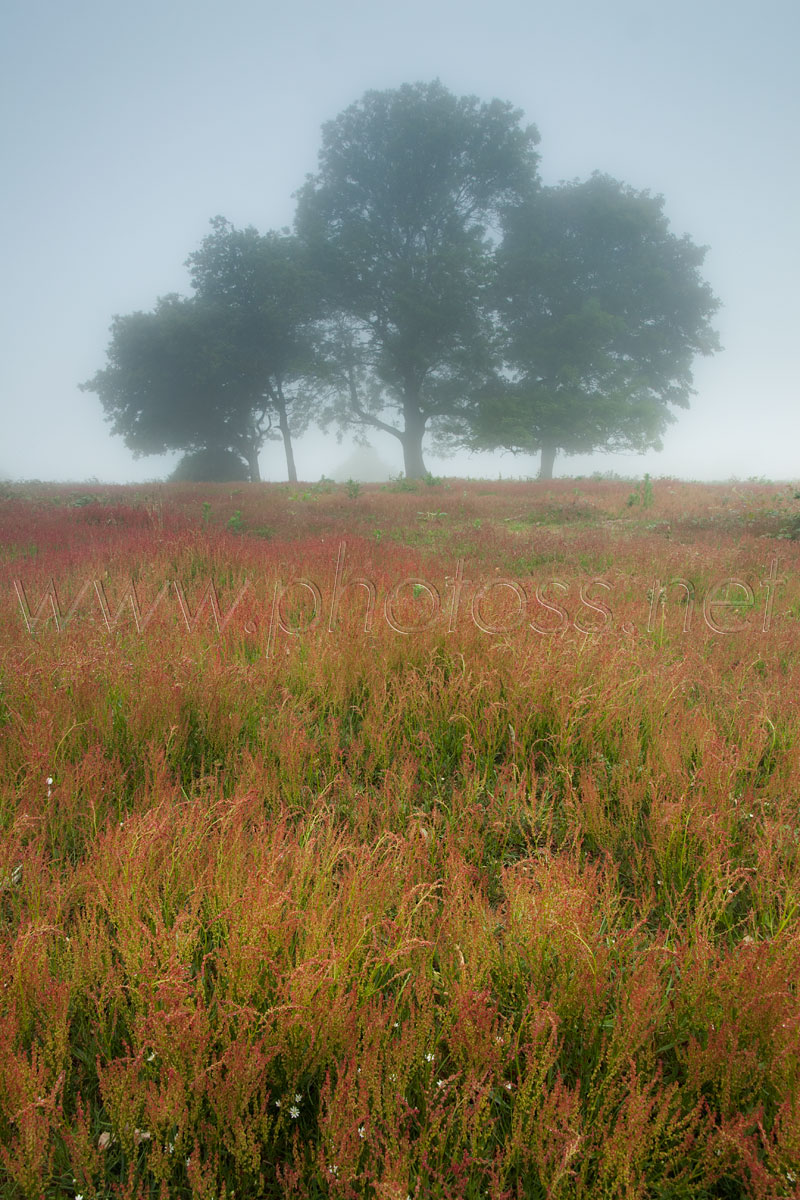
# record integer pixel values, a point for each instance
(294, 1112)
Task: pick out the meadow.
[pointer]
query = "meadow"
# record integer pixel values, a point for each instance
(433, 840)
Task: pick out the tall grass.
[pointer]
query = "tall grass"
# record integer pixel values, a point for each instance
(348, 912)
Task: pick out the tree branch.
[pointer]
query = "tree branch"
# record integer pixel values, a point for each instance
(363, 416)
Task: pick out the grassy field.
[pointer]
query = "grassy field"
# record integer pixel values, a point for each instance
(438, 841)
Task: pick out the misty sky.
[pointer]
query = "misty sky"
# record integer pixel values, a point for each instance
(125, 128)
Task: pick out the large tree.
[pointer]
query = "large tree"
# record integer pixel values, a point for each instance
(224, 369)
(399, 216)
(601, 311)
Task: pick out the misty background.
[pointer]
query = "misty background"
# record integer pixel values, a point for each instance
(126, 128)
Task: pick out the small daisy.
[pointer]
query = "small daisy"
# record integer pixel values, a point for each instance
(294, 1112)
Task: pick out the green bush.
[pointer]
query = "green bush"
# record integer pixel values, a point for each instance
(212, 465)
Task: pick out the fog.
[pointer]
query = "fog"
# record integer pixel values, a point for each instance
(126, 128)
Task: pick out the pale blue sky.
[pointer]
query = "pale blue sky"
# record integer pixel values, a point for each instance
(125, 128)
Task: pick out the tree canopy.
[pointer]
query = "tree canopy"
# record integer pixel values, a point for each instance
(432, 287)
(271, 295)
(601, 310)
(224, 369)
(398, 217)
(171, 382)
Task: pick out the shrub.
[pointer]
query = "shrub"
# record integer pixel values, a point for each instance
(212, 465)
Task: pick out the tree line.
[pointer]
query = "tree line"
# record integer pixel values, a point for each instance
(432, 288)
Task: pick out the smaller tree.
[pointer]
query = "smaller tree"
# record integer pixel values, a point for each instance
(270, 296)
(601, 310)
(226, 368)
(173, 383)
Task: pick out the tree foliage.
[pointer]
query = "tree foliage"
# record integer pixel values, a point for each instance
(432, 286)
(398, 216)
(222, 370)
(270, 295)
(212, 465)
(601, 311)
(171, 383)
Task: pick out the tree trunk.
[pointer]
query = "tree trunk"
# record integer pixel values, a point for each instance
(287, 446)
(283, 424)
(549, 450)
(251, 457)
(411, 440)
(412, 458)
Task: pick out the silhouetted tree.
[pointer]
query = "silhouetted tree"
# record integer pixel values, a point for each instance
(171, 383)
(601, 312)
(432, 285)
(271, 295)
(397, 218)
(222, 369)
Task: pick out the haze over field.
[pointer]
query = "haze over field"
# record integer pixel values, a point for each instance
(126, 130)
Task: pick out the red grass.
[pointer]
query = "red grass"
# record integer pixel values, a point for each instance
(293, 907)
